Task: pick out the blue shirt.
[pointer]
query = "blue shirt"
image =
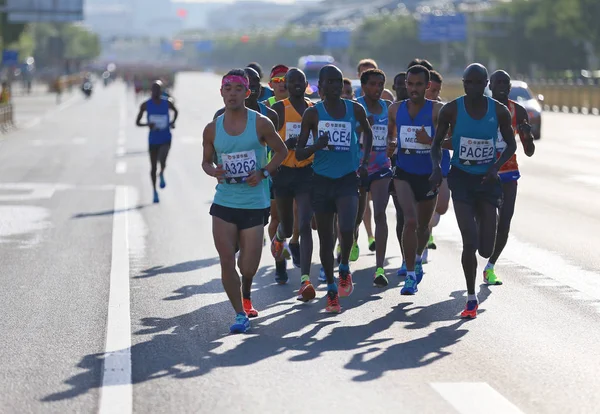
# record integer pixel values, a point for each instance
(341, 157)
(413, 157)
(474, 141)
(158, 114)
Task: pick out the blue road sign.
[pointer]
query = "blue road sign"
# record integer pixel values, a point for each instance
(204, 46)
(336, 39)
(10, 57)
(437, 29)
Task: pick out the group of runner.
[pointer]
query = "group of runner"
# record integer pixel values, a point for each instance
(283, 160)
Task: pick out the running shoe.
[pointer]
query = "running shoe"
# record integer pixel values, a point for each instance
(163, 184)
(410, 286)
(295, 249)
(490, 278)
(345, 285)
(372, 245)
(402, 271)
(241, 325)
(379, 280)
(470, 311)
(419, 271)
(425, 256)
(306, 292)
(249, 309)
(333, 302)
(281, 276)
(354, 253)
(431, 244)
(156, 199)
(277, 248)
(322, 276)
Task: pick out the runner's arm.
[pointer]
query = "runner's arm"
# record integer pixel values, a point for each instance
(267, 132)
(361, 116)
(444, 119)
(175, 111)
(279, 109)
(392, 139)
(505, 125)
(273, 116)
(524, 131)
(138, 120)
(209, 154)
(309, 124)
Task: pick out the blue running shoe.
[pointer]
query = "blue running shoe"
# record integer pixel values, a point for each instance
(163, 184)
(241, 325)
(156, 200)
(402, 271)
(410, 286)
(322, 276)
(419, 271)
(281, 275)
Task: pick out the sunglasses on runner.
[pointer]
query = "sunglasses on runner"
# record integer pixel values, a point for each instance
(279, 79)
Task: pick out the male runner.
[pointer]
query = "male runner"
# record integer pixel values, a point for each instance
(159, 139)
(277, 82)
(443, 201)
(400, 87)
(292, 182)
(240, 208)
(265, 92)
(509, 172)
(347, 91)
(366, 64)
(410, 121)
(474, 120)
(379, 168)
(335, 184)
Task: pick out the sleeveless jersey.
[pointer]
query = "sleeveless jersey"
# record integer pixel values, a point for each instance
(291, 129)
(341, 156)
(413, 157)
(378, 159)
(510, 169)
(240, 156)
(474, 141)
(158, 114)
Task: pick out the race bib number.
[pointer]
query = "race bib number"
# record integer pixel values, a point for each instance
(500, 144)
(380, 133)
(292, 130)
(408, 140)
(476, 151)
(238, 166)
(340, 134)
(159, 121)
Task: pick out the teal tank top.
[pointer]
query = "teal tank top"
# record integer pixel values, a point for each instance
(342, 156)
(240, 156)
(474, 141)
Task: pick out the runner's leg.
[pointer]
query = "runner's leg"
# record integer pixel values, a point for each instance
(225, 236)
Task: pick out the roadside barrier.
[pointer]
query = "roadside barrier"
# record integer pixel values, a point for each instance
(6, 117)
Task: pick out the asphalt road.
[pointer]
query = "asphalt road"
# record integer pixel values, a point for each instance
(113, 304)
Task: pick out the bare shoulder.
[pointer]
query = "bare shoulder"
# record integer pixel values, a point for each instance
(263, 122)
(210, 130)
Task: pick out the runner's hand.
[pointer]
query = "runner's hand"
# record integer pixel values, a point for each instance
(435, 179)
(172, 125)
(152, 126)
(423, 137)
(391, 148)
(524, 128)
(219, 173)
(491, 175)
(255, 178)
(363, 170)
(291, 143)
(323, 140)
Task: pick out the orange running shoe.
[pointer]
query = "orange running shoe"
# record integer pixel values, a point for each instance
(333, 302)
(306, 292)
(249, 309)
(277, 248)
(470, 311)
(346, 287)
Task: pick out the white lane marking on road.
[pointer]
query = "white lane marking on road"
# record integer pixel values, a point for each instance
(120, 151)
(121, 140)
(474, 397)
(547, 263)
(121, 167)
(116, 393)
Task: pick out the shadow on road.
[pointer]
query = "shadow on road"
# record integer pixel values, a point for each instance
(187, 345)
(178, 268)
(109, 212)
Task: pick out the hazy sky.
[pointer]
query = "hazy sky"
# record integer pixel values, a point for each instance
(233, 1)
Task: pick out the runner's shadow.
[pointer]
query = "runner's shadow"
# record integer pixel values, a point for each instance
(184, 267)
(109, 212)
